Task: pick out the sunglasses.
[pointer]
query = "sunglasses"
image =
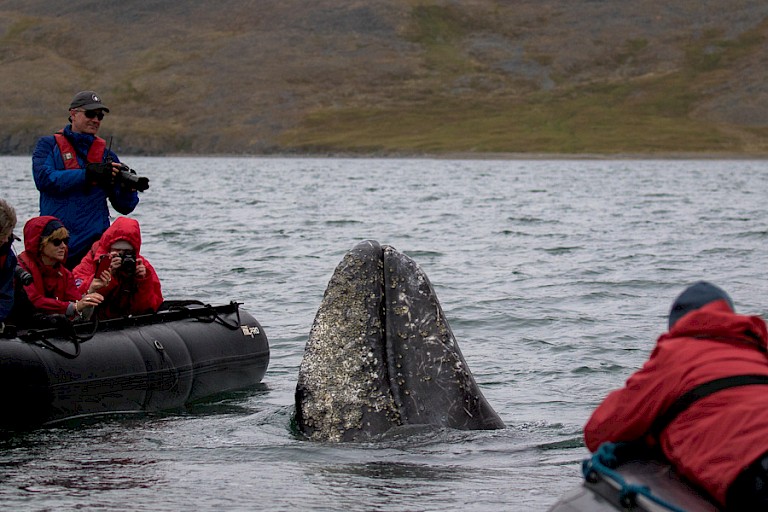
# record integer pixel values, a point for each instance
(90, 114)
(58, 241)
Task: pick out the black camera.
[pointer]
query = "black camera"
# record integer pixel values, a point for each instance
(128, 177)
(22, 275)
(128, 264)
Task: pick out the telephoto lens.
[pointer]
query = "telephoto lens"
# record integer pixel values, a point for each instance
(22, 275)
(129, 178)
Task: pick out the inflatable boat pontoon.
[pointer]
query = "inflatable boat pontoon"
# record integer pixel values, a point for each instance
(634, 484)
(134, 364)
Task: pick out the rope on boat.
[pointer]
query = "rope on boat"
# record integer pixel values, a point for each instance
(207, 313)
(603, 463)
(58, 325)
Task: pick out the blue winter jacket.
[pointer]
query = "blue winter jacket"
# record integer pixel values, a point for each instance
(6, 284)
(66, 195)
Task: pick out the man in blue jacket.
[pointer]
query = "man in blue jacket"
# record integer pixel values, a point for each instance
(75, 173)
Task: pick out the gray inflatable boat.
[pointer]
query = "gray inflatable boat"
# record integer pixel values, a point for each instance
(636, 484)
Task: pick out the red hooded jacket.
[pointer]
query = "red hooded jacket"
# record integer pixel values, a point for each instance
(53, 287)
(714, 439)
(123, 296)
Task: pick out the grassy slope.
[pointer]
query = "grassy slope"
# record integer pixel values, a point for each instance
(396, 76)
(643, 115)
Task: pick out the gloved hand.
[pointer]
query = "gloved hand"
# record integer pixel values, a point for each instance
(99, 174)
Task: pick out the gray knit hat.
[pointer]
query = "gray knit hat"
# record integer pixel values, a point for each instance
(694, 297)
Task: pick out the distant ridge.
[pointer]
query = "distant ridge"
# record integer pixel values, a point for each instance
(393, 77)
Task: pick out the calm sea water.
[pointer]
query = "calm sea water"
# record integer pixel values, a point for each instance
(555, 276)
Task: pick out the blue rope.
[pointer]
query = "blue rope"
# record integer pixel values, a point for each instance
(602, 464)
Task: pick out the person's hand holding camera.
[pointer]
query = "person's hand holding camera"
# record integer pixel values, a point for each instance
(102, 174)
(141, 270)
(128, 265)
(101, 281)
(117, 260)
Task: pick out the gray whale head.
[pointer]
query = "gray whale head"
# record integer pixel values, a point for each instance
(380, 354)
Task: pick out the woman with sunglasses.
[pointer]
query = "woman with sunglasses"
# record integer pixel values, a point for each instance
(75, 179)
(53, 289)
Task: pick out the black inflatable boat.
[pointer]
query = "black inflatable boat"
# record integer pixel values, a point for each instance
(134, 364)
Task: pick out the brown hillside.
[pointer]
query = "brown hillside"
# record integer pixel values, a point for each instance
(392, 76)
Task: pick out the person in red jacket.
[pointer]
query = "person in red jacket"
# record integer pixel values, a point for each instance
(129, 284)
(720, 440)
(52, 290)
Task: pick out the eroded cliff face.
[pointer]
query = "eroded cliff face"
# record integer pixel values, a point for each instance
(392, 76)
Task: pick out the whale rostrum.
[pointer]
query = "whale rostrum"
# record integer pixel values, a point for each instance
(381, 354)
